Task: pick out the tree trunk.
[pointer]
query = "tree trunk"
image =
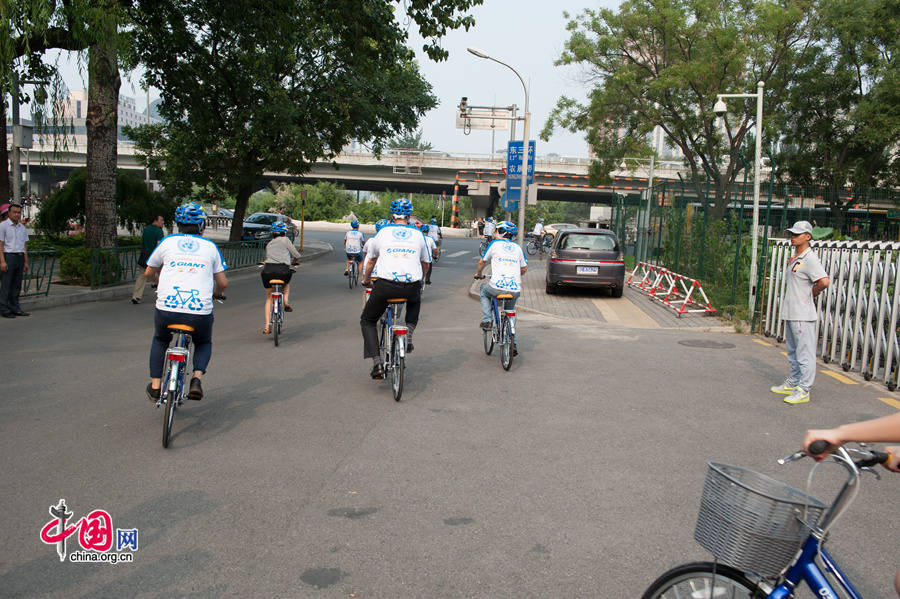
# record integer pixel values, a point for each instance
(102, 121)
(5, 189)
(240, 210)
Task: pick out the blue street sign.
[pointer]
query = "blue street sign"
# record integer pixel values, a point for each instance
(509, 204)
(514, 163)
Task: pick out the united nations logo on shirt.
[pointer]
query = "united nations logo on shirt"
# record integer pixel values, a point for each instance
(188, 245)
(509, 248)
(401, 233)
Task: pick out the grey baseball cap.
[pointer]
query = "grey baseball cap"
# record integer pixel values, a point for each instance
(801, 226)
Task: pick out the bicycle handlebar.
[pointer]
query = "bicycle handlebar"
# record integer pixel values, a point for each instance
(868, 458)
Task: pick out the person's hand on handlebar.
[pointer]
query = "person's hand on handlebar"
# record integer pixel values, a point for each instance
(834, 439)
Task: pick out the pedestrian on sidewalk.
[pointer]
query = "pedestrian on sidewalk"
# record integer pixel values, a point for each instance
(151, 237)
(13, 262)
(805, 280)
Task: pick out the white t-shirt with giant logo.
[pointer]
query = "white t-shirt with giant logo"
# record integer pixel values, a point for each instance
(399, 251)
(506, 260)
(432, 245)
(353, 241)
(434, 232)
(188, 264)
(365, 257)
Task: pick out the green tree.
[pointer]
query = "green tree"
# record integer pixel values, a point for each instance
(101, 28)
(136, 205)
(250, 87)
(844, 118)
(662, 62)
(410, 140)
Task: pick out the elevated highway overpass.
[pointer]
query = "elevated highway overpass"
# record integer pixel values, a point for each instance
(478, 176)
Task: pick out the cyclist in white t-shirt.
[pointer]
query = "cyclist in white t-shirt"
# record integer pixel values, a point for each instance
(365, 253)
(432, 248)
(508, 264)
(489, 227)
(190, 272)
(538, 228)
(400, 254)
(353, 245)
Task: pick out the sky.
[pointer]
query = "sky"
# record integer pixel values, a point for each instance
(529, 35)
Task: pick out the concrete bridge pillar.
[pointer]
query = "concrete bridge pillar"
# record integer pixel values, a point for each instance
(485, 199)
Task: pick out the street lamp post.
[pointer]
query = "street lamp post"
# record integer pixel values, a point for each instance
(720, 109)
(521, 236)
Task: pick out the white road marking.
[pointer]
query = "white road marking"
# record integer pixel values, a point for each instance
(457, 254)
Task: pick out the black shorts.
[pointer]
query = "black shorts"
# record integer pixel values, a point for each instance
(275, 271)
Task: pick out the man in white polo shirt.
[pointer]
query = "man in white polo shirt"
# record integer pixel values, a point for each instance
(13, 262)
(805, 279)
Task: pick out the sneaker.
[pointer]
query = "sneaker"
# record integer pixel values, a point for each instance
(784, 388)
(798, 396)
(377, 371)
(152, 394)
(346, 272)
(196, 391)
(409, 346)
(515, 350)
(485, 325)
(135, 300)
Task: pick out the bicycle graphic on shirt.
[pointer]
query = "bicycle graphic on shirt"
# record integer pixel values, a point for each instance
(506, 282)
(184, 298)
(401, 277)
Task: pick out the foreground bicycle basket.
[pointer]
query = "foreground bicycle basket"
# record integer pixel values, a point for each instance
(752, 522)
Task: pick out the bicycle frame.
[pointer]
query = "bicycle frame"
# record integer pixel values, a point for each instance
(387, 325)
(181, 355)
(499, 318)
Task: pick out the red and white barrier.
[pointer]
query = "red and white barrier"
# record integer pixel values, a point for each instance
(682, 294)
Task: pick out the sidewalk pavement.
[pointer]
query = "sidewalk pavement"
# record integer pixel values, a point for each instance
(633, 309)
(64, 295)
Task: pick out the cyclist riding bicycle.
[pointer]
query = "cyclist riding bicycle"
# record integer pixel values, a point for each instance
(508, 264)
(381, 222)
(190, 272)
(280, 256)
(539, 229)
(432, 248)
(879, 430)
(489, 227)
(435, 232)
(400, 255)
(353, 245)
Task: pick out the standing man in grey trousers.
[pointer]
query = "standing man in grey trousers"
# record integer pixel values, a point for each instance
(805, 279)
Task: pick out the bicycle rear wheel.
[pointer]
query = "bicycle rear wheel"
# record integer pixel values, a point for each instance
(398, 366)
(351, 280)
(506, 341)
(531, 247)
(171, 399)
(703, 579)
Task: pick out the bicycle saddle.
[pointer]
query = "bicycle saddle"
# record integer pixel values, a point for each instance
(397, 300)
(505, 296)
(181, 327)
(276, 282)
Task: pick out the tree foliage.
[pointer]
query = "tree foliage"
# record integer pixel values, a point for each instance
(843, 120)
(410, 140)
(136, 205)
(250, 87)
(662, 62)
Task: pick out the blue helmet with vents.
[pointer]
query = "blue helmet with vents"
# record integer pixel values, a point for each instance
(380, 223)
(191, 213)
(279, 227)
(401, 206)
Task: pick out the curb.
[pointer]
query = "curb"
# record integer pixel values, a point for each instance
(123, 291)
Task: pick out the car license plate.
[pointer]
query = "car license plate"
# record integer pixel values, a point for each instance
(586, 270)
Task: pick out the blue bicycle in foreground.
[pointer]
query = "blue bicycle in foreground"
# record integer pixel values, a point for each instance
(770, 535)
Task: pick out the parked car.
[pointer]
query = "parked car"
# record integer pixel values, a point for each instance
(225, 212)
(259, 225)
(586, 258)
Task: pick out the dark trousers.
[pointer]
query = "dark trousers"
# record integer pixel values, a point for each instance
(382, 291)
(11, 282)
(201, 338)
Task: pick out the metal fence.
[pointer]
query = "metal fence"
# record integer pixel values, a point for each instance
(40, 272)
(858, 312)
(115, 266)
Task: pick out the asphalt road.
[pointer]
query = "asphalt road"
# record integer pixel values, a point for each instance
(576, 474)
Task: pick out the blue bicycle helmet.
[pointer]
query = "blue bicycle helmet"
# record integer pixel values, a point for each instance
(425, 228)
(380, 223)
(354, 224)
(433, 221)
(401, 206)
(507, 228)
(190, 214)
(279, 227)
